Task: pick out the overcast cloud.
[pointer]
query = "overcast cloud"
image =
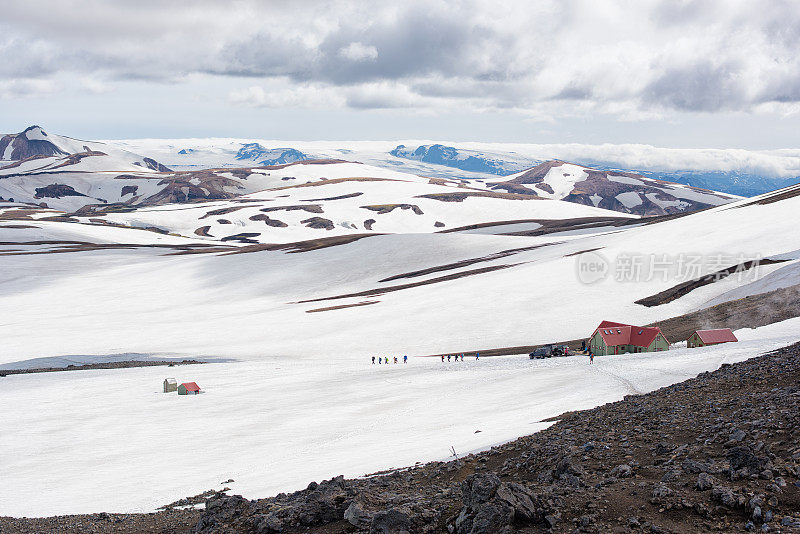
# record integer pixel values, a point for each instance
(633, 60)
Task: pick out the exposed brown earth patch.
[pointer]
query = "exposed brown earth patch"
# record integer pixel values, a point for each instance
(342, 306)
(388, 208)
(269, 222)
(319, 223)
(301, 246)
(73, 159)
(519, 189)
(336, 181)
(107, 365)
(244, 237)
(463, 263)
(549, 226)
(368, 224)
(389, 289)
(783, 194)
(203, 231)
(340, 197)
(62, 247)
(310, 208)
(545, 187)
(20, 162)
(56, 191)
(460, 196)
(222, 211)
(679, 290)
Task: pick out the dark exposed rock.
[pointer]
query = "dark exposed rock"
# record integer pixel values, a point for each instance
(318, 222)
(56, 191)
(391, 521)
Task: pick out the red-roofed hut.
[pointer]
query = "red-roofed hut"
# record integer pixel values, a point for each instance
(618, 338)
(701, 338)
(188, 388)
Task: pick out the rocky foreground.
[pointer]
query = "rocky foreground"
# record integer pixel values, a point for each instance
(718, 453)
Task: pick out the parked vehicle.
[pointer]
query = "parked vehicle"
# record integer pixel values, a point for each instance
(548, 351)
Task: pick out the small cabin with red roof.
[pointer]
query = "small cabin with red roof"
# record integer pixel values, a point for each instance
(618, 338)
(188, 388)
(701, 338)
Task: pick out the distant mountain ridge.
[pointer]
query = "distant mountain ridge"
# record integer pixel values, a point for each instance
(466, 160)
(503, 164)
(269, 156)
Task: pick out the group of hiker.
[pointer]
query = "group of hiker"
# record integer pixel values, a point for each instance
(450, 357)
(385, 359)
(457, 356)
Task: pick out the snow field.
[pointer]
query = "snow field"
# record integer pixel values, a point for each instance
(109, 440)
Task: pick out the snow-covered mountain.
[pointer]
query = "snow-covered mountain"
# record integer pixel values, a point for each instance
(66, 174)
(613, 190)
(269, 156)
(465, 160)
(481, 161)
(50, 151)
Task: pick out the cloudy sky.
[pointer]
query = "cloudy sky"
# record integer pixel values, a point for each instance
(676, 73)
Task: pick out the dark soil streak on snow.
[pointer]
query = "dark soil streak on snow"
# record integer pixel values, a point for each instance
(388, 289)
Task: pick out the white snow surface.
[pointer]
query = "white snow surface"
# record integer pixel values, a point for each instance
(109, 440)
(630, 199)
(301, 401)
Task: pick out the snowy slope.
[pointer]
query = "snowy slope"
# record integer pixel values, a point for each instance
(274, 424)
(297, 370)
(541, 270)
(300, 400)
(345, 203)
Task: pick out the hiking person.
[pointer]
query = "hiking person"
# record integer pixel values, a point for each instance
(373, 360)
(395, 359)
(462, 356)
(442, 358)
(591, 358)
(448, 357)
(405, 358)
(477, 355)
